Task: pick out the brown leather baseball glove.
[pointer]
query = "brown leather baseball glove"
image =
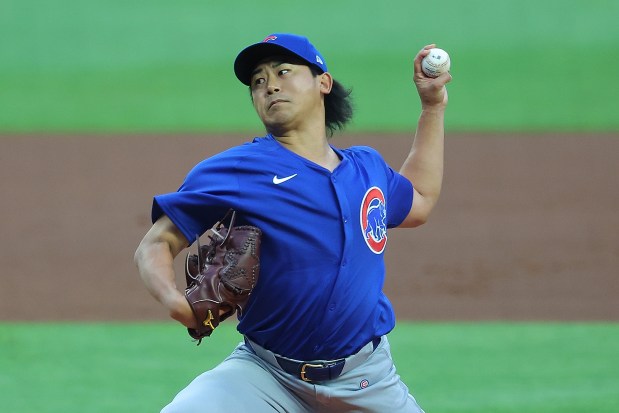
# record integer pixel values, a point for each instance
(221, 277)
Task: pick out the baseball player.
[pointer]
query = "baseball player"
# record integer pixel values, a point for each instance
(315, 327)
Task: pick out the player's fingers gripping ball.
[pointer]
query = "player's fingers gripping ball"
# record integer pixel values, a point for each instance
(435, 63)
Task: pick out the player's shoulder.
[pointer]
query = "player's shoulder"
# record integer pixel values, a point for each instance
(362, 153)
(246, 151)
(246, 155)
(366, 158)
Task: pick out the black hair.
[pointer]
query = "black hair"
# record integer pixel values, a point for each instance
(338, 104)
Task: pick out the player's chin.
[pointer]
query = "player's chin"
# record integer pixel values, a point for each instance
(275, 121)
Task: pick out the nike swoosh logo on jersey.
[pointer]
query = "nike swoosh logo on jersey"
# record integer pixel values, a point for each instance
(278, 181)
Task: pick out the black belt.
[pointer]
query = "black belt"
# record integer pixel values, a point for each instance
(315, 371)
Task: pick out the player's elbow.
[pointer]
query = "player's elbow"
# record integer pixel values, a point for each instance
(419, 213)
(419, 221)
(144, 252)
(413, 221)
(138, 256)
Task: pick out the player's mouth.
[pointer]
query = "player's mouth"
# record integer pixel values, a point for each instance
(276, 102)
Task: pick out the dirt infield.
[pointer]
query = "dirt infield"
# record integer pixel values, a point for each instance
(527, 227)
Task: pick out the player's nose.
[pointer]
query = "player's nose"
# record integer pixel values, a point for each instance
(273, 86)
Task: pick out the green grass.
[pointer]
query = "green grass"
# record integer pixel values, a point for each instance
(450, 367)
(501, 368)
(135, 66)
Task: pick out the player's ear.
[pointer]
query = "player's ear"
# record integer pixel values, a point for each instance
(326, 83)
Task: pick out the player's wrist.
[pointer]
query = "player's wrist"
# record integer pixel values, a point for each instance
(178, 308)
(434, 109)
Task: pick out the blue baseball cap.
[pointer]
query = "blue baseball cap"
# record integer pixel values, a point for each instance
(276, 44)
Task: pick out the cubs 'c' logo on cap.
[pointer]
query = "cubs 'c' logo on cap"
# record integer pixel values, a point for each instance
(373, 217)
(269, 38)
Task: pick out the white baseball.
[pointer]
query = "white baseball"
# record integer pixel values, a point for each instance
(435, 63)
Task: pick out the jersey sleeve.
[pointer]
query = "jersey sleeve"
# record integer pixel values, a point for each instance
(399, 198)
(207, 192)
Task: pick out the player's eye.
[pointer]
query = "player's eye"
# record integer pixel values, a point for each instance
(284, 71)
(258, 81)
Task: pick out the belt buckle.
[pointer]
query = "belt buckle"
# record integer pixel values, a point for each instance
(304, 366)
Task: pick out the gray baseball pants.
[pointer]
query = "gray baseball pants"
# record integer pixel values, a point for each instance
(250, 380)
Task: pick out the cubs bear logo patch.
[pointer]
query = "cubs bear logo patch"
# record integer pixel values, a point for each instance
(373, 219)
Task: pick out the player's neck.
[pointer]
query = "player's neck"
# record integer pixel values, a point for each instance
(312, 146)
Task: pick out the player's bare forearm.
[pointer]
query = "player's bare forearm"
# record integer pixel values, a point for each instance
(424, 164)
(154, 262)
(154, 259)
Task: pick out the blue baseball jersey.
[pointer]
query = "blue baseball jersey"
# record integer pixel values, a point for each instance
(319, 295)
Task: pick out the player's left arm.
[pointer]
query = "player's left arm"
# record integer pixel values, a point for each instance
(424, 164)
